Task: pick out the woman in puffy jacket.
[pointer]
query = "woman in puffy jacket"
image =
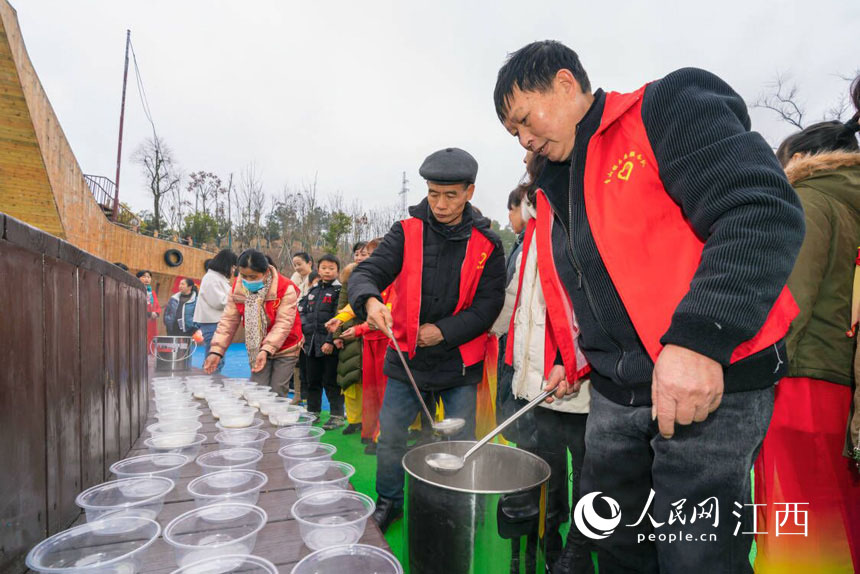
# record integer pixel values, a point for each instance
(179, 313)
(266, 303)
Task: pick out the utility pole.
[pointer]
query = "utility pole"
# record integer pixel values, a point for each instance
(121, 119)
(404, 189)
(229, 215)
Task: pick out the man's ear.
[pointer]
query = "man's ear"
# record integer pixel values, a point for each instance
(470, 191)
(565, 81)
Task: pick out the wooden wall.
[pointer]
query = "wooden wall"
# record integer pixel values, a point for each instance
(72, 383)
(41, 182)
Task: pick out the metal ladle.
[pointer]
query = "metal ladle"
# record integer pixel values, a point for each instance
(447, 463)
(446, 426)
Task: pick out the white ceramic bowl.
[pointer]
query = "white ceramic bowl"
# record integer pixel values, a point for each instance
(179, 443)
(216, 530)
(244, 563)
(332, 517)
(312, 477)
(244, 438)
(166, 465)
(114, 544)
(229, 458)
(240, 485)
(300, 452)
(294, 434)
(349, 559)
(139, 496)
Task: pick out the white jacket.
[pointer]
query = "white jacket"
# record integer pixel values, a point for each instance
(530, 337)
(214, 290)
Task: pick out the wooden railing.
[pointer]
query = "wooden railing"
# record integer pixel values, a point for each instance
(72, 380)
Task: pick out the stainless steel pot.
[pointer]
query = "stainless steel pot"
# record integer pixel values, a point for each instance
(487, 518)
(172, 354)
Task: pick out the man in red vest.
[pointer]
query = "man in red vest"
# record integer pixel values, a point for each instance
(674, 231)
(447, 273)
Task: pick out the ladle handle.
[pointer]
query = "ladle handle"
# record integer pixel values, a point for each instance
(409, 375)
(536, 401)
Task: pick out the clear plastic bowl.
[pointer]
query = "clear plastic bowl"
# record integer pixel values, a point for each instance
(190, 426)
(352, 559)
(269, 404)
(201, 391)
(139, 496)
(255, 387)
(244, 438)
(294, 434)
(226, 404)
(287, 418)
(175, 443)
(216, 530)
(229, 458)
(332, 518)
(256, 424)
(166, 465)
(319, 476)
(241, 417)
(166, 405)
(113, 545)
(183, 414)
(172, 396)
(240, 485)
(244, 563)
(255, 397)
(300, 452)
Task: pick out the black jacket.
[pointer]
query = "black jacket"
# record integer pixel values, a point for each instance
(315, 309)
(438, 367)
(735, 196)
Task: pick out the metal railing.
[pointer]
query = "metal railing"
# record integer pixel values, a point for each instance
(103, 190)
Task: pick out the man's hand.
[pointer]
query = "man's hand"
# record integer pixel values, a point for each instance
(686, 387)
(333, 324)
(338, 343)
(378, 315)
(429, 335)
(327, 348)
(260, 362)
(349, 334)
(211, 363)
(558, 381)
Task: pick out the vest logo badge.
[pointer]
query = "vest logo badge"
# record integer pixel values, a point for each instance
(623, 168)
(482, 260)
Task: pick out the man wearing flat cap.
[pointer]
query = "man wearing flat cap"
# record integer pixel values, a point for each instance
(447, 272)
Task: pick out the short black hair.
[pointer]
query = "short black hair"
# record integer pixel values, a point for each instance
(359, 245)
(330, 258)
(515, 198)
(143, 272)
(254, 260)
(121, 265)
(223, 262)
(304, 255)
(313, 276)
(271, 261)
(532, 68)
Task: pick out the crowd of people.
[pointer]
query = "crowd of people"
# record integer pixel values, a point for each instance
(691, 298)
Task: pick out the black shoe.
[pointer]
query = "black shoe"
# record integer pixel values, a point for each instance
(370, 448)
(352, 428)
(387, 511)
(366, 440)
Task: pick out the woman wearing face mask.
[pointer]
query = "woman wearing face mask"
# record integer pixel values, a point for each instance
(179, 315)
(266, 303)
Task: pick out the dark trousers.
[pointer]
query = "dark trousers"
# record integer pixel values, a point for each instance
(626, 458)
(303, 375)
(322, 374)
(559, 433)
(399, 407)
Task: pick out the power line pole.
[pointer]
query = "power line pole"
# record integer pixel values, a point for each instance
(404, 189)
(121, 119)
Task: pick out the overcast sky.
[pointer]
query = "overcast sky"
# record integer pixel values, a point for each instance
(358, 92)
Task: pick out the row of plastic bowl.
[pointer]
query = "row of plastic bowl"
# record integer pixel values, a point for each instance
(219, 534)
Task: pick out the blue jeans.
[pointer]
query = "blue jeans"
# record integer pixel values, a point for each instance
(399, 408)
(625, 458)
(208, 330)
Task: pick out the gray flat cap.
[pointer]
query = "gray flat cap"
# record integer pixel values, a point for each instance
(449, 165)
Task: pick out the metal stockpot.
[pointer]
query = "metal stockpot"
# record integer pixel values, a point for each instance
(172, 354)
(487, 518)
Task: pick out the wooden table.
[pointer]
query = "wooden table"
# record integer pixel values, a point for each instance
(279, 540)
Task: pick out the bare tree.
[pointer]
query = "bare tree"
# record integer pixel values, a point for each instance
(162, 175)
(781, 98)
(252, 202)
(206, 187)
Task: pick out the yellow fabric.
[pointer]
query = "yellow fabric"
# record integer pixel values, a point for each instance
(345, 314)
(352, 402)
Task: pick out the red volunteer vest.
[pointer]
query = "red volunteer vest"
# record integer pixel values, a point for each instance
(644, 240)
(271, 309)
(560, 330)
(406, 305)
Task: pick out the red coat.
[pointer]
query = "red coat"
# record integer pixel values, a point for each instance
(152, 306)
